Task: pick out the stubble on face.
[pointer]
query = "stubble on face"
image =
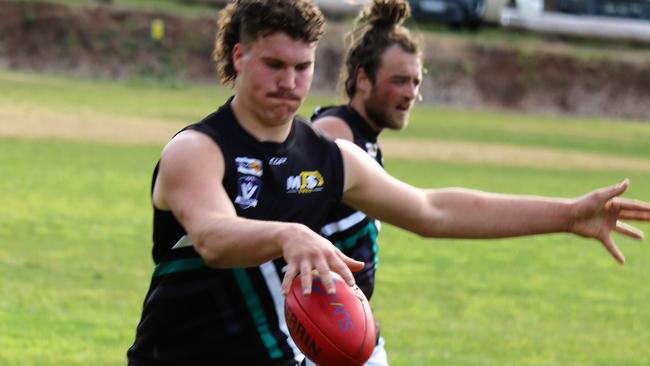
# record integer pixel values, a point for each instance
(386, 113)
(379, 112)
(392, 93)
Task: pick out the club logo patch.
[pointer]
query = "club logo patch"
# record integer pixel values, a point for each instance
(249, 189)
(372, 149)
(249, 166)
(306, 182)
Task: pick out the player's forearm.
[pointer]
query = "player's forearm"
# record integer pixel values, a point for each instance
(236, 242)
(462, 213)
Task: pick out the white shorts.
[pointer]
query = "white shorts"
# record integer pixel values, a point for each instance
(378, 357)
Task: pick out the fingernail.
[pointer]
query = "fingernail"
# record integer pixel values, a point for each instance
(331, 291)
(306, 291)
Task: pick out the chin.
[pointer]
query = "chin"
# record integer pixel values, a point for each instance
(398, 123)
(281, 118)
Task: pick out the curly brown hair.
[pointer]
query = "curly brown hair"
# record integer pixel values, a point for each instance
(246, 20)
(378, 27)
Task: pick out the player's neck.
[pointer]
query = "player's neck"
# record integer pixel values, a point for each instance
(256, 126)
(358, 105)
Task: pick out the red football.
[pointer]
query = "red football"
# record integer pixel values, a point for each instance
(331, 330)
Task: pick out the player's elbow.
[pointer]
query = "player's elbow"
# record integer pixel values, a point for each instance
(428, 224)
(212, 255)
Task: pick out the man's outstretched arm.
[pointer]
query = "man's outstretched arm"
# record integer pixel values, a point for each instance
(464, 213)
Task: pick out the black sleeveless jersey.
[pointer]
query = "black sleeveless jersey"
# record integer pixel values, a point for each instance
(350, 230)
(197, 315)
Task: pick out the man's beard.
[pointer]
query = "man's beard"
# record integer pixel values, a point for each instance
(379, 115)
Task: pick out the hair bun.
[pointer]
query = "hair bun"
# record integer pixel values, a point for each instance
(385, 13)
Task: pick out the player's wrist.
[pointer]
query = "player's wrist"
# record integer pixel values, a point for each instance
(286, 234)
(570, 210)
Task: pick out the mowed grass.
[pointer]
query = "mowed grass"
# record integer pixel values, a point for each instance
(184, 103)
(544, 300)
(75, 228)
(590, 135)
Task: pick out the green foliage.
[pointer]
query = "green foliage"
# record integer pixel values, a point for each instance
(75, 229)
(29, 15)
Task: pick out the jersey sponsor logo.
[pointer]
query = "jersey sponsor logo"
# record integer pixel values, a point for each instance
(249, 166)
(278, 160)
(305, 182)
(249, 189)
(372, 149)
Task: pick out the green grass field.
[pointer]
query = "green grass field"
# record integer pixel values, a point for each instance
(75, 226)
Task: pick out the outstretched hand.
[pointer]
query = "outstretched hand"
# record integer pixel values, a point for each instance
(598, 213)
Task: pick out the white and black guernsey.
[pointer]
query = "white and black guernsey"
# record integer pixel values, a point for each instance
(350, 230)
(196, 315)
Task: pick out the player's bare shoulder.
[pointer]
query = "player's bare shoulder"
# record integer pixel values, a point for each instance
(187, 156)
(334, 127)
(189, 145)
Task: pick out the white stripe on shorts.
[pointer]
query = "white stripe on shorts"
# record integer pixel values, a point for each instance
(183, 242)
(275, 288)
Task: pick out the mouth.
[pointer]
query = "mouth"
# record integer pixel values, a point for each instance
(284, 97)
(404, 107)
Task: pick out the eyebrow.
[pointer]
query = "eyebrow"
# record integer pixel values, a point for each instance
(405, 77)
(279, 61)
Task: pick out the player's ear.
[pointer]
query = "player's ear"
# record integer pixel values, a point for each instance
(238, 56)
(362, 81)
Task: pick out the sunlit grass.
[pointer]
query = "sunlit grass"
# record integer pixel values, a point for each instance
(75, 234)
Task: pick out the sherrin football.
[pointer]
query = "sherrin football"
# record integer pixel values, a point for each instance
(331, 330)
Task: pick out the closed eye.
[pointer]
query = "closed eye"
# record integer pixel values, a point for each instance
(303, 66)
(274, 64)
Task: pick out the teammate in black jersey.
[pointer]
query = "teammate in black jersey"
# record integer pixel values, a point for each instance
(239, 197)
(381, 79)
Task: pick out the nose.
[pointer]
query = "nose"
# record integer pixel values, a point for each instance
(411, 90)
(287, 79)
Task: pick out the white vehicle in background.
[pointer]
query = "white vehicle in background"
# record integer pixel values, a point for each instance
(625, 20)
(340, 8)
